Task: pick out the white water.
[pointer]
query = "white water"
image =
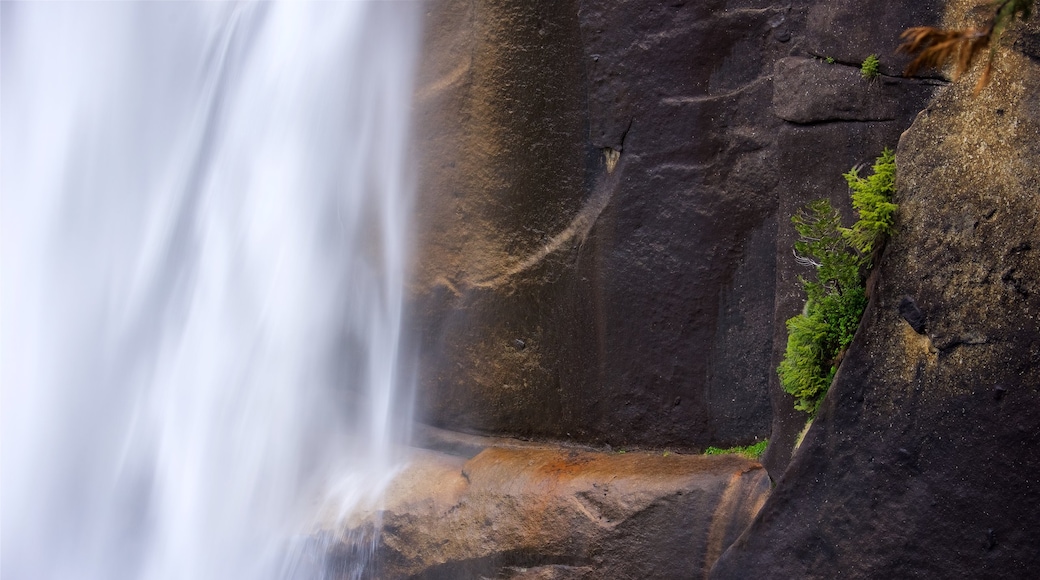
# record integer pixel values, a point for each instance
(204, 235)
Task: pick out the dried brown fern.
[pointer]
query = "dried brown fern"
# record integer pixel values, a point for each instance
(938, 47)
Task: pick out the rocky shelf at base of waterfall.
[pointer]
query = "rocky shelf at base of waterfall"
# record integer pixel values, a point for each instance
(534, 511)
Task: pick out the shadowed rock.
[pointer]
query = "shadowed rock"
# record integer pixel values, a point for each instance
(923, 460)
(809, 90)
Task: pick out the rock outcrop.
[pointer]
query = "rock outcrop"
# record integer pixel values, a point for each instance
(834, 119)
(605, 193)
(924, 459)
(527, 513)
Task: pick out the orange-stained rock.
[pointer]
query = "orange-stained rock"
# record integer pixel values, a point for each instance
(560, 513)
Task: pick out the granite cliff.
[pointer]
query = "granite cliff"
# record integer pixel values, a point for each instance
(923, 462)
(605, 197)
(605, 262)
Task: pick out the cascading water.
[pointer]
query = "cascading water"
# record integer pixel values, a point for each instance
(204, 227)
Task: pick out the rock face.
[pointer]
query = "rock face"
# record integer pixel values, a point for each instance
(811, 90)
(834, 119)
(604, 207)
(531, 513)
(924, 460)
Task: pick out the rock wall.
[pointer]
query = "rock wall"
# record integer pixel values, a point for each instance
(923, 461)
(605, 195)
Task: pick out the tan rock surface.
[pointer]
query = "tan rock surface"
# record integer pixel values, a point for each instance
(563, 513)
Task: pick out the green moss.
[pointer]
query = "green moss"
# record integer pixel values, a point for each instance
(751, 451)
(818, 337)
(871, 67)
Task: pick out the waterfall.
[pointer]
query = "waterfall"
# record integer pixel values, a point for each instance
(205, 229)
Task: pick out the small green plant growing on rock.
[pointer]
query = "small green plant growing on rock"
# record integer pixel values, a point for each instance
(872, 199)
(818, 337)
(754, 451)
(870, 69)
(829, 59)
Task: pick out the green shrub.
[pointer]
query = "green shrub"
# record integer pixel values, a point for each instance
(822, 244)
(751, 451)
(872, 198)
(816, 341)
(835, 300)
(871, 67)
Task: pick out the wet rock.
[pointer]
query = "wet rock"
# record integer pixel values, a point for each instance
(559, 572)
(596, 179)
(538, 513)
(610, 182)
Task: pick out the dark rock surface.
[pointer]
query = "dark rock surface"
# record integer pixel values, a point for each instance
(502, 205)
(912, 314)
(811, 90)
(540, 513)
(924, 459)
(850, 30)
(604, 207)
(812, 156)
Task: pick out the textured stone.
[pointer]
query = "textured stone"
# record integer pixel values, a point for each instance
(923, 461)
(850, 30)
(811, 157)
(913, 316)
(539, 513)
(1029, 45)
(608, 184)
(809, 90)
(621, 229)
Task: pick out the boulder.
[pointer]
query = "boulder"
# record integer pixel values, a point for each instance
(555, 513)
